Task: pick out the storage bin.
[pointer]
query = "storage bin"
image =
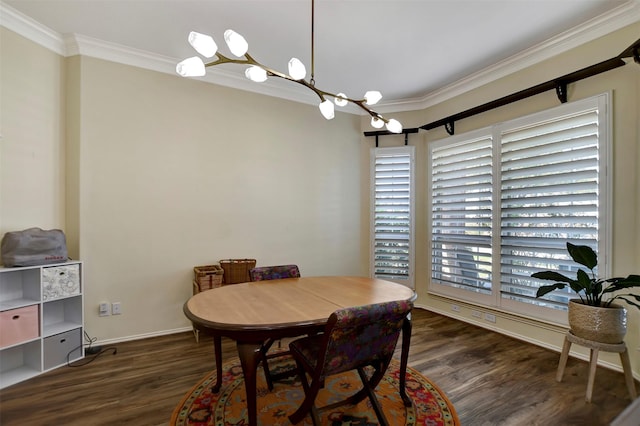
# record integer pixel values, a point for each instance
(208, 277)
(60, 281)
(237, 270)
(19, 325)
(63, 347)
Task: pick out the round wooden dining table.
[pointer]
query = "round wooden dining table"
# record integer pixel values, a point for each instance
(250, 313)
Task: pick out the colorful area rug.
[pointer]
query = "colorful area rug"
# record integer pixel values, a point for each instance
(202, 407)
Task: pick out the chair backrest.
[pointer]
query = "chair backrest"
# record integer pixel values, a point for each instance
(360, 335)
(264, 273)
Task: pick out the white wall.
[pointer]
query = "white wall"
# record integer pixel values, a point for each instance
(32, 165)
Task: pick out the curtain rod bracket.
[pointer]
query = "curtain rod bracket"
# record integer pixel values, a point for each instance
(450, 127)
(561, 91)
(406, 139)
(376, 141)
(636, 55)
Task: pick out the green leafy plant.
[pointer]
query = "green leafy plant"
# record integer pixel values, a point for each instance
(587, 285)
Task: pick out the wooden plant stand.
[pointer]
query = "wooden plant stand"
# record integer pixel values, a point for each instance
(595, 348)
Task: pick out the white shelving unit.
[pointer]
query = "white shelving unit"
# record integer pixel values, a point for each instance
(41, 319)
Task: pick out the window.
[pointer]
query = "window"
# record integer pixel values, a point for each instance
(392, 211)
(461, 199)
(505, 200)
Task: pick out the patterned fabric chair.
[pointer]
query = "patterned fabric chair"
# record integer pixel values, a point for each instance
(264, 273)
(353, 339)
(274, 272)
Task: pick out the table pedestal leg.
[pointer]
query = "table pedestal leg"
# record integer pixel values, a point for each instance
(404, 357)
(250, 357)
(217, 348)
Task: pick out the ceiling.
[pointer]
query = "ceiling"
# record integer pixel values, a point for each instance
(407, 49)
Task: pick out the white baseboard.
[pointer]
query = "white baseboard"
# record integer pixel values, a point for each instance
(141, 336)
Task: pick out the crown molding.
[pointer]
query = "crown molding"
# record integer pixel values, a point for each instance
(600, 26)
(31, 29)
(77, 44)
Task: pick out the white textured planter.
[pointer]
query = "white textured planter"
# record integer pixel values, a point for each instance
(604, 325)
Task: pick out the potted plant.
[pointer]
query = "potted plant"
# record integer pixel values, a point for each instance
(594, 316)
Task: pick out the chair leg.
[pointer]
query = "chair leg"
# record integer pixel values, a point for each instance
(372, 397)
(372, 383)
(265, 367)
(315, 416)
(308, 404)
(270, 377)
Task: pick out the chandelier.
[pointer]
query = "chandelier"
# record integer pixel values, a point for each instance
(257, 72)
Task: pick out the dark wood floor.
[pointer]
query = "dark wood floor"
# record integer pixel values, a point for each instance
(490, 379)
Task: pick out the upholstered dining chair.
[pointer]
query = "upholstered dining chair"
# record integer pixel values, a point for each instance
(264, 273)
(354, 338)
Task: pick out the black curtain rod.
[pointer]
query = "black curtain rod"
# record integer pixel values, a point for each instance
(559, 84)
(406, 133)
(386, 132)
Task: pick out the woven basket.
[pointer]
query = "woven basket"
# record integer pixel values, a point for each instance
(604, 325)
(237, 270)
(207, 277)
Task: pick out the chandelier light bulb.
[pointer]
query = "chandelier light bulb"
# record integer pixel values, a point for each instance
(297, 70)
(341, 100)
(327, 110)
(376, 123)
(372, 97)
(203, 44)
(191, 67)
(237, 44)
(394, 126)
(255, 73)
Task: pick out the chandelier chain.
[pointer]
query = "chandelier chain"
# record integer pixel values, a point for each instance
(313, 58)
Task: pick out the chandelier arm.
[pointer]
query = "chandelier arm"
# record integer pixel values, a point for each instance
(304, 83)
(359, 102)
(274, 73)
(372, 113)
(249, 60)
(225, 60)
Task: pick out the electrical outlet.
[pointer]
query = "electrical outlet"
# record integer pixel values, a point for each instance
(455, 308)
(103, 309)
(490, 317)
(476, 314)
(116, 308)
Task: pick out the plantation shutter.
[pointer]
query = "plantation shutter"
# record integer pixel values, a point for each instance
(392, 214)
(549, 195)
(461, 213)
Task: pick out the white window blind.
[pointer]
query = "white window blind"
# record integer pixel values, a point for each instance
(505, 201)
(461, 196)
(392, 171)
(549, 195)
